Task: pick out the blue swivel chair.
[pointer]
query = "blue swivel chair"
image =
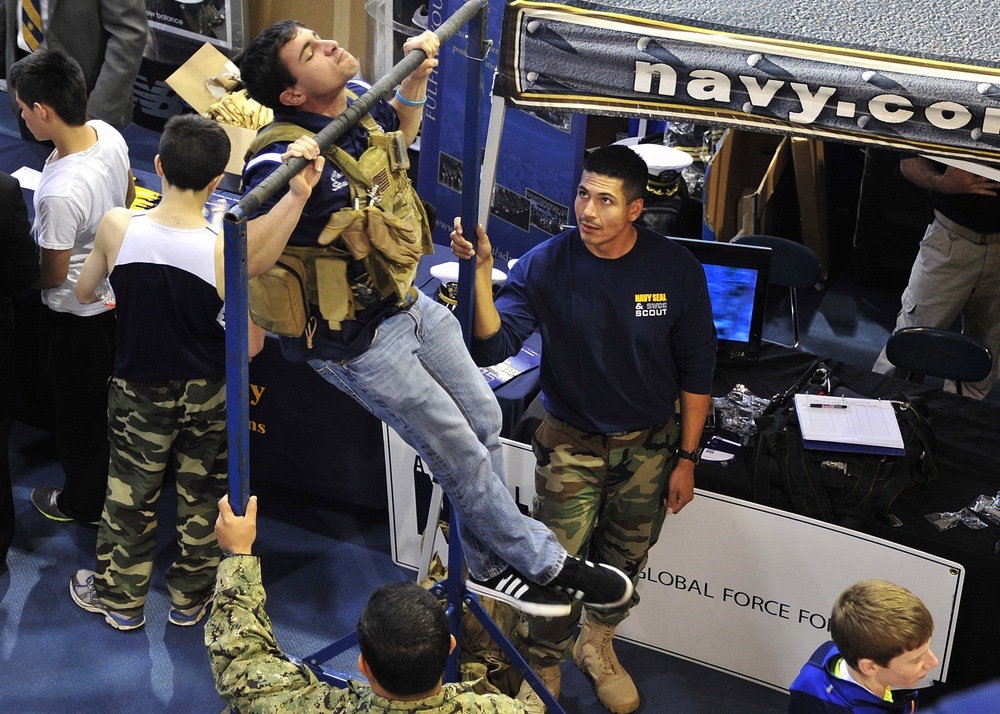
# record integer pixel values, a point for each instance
(793, 265)
(939, 353)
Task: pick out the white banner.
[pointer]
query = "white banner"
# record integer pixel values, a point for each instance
(732, 585)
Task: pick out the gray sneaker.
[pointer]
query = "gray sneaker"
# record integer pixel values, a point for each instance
(191, 615)
(81, 589)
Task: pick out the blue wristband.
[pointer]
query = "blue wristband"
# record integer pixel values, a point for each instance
(410, 102)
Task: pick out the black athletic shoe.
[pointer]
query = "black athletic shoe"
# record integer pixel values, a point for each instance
(517, 591)
(44, 499)
(596, 585)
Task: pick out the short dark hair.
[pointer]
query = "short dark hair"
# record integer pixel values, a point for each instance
(878, 620)
(53, 78)
(263, 73)
(405, 639)
(193, 151)
(620, 162)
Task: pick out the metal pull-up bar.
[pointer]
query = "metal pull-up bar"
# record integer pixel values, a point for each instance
(235, 254)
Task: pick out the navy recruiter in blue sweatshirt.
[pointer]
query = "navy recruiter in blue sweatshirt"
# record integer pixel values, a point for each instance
(627, 333)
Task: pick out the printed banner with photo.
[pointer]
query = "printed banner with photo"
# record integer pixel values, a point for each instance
(540, 154)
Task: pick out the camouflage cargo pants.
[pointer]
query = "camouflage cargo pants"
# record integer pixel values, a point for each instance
(602, 495)
(152, 425)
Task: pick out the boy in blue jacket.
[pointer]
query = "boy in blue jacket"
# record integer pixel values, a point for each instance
(881, 643)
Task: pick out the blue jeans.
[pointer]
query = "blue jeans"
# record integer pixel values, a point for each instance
(419, 379)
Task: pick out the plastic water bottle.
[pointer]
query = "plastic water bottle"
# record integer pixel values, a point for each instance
(105, 293)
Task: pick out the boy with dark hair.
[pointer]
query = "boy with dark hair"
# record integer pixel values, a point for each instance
(54, 79)
(167, 401)
(881, 641)
(85, 176)
(403, 634)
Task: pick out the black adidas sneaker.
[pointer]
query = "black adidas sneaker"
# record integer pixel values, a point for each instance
(596, 585)
(517, 591)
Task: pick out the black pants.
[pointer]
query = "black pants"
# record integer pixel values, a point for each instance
(77, 356)
(6, 415)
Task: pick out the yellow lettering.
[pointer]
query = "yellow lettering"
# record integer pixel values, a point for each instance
(256, 392)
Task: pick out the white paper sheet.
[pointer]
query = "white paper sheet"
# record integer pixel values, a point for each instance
(28, 178)
(846, 421)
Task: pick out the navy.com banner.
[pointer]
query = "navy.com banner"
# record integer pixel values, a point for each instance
(590, 61)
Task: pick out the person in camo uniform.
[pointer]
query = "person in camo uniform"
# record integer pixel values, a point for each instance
(167, 399)
(627, 329)
(402, 633)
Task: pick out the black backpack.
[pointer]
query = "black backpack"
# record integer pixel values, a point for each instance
(840, 487)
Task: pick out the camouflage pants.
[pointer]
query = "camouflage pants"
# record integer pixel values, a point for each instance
(602, 495)
(152, 425)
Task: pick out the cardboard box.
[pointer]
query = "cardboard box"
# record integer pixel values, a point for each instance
(757, 211)
(748, 188)
(809, 162)
(191, 82)
(345, 21)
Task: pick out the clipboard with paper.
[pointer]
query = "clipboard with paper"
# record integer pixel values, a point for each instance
(848, 424)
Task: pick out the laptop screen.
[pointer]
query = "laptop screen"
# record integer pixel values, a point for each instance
(737, 284)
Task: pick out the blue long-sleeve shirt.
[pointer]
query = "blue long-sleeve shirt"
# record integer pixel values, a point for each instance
(620, 338)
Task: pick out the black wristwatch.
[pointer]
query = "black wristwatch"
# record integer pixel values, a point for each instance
(693, 456)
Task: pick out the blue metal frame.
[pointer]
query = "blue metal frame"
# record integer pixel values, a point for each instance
(237, 358)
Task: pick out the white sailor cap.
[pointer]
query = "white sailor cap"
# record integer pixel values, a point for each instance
(658, 157)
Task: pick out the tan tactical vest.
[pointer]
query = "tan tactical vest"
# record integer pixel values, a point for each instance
(385, 229)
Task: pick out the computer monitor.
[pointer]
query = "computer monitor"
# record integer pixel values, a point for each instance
(737, 284)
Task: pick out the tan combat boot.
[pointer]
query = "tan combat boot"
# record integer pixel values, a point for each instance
(552, 679)
(595, 658)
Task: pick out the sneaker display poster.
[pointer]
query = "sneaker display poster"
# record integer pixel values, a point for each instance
(219, 22)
